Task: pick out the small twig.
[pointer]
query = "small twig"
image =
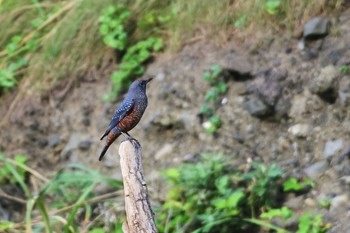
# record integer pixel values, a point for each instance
(12, 198)
(28, 169)
(55, 213)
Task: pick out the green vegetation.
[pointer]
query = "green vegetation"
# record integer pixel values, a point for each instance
(45, 42)
(212, 96)
(113, 24)
(214, 196)
(344, 69)
(292, 184)
(209, 196)
(62, 204)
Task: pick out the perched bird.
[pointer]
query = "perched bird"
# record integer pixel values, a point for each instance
(128, 114)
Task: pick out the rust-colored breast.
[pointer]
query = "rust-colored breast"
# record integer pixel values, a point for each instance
(130, 121)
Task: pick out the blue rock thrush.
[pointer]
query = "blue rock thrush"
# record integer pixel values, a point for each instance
(128, 114)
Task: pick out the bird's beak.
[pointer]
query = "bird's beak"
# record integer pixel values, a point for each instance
(149, 80)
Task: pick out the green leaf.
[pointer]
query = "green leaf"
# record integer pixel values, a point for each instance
(235, 198)
(283, 212)
(292, 184)
(273, 6)
(104, 29)
(97, 230)
(215, 120)
(5, 225)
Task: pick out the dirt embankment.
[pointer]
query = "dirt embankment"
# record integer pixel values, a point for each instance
(287, 102)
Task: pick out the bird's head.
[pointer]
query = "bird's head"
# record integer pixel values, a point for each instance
(140, 84)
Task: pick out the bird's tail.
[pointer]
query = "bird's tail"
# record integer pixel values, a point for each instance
(105, 148)
(112, 136)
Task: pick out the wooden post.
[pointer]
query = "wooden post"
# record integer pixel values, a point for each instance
(139, 213)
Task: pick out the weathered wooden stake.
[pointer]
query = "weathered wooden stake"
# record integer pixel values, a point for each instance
(139, 213)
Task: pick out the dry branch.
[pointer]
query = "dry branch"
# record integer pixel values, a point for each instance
(139, 213)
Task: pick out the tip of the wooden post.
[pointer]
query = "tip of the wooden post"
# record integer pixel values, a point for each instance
(128, 146)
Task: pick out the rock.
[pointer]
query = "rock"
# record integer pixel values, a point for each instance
(166, 151)
(72, 144)
(192, 158)
(339, 202)
(346, 179)
(86, 121)
(167, 120)
(316, 170)
(332, 147)
(310, 202)
(282, 108)
(267, 85)
(304, 104)
(53, 140)
(344, 91)
(332, 57)
(316, 28)
(310, 54)
(250, 129)
(300, 130)
(267, 90)
(235, 63)
(343, 155)
(301, 45)
(295, 203)
(257, 108)
(325, 84)
(239, 137)
(84, 145)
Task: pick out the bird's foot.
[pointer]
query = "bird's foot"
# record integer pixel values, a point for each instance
(131, 139)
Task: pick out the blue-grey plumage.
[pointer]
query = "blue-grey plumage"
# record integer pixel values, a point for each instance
(128, 114)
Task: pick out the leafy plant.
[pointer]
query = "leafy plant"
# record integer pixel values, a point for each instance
(213, 196)
(344, 69)
(132, 63)
(6, 171)
(218, 89)
(112, 26)
(273, 6)
(310, 224)
(212, 125)
(67, 196)
(292, 184)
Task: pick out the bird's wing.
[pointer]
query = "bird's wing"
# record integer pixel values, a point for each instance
(124, 109)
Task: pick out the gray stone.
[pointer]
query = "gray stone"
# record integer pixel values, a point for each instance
(325, 84)
(85, 144)
(304, 104)
(72, 144)
(332, 57)
(267, 87)
(234, 62)
(332, 147)
(54, 140)
(316, 28)
(192, 158)
(301, 45)
(310, 54)
(295, 203)
(339, 202)
(300, 130)
(325, 80)
(316, 170)
(250, 129)
(344, 91)
(166, 151)
(257, 108)
(239, 137)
